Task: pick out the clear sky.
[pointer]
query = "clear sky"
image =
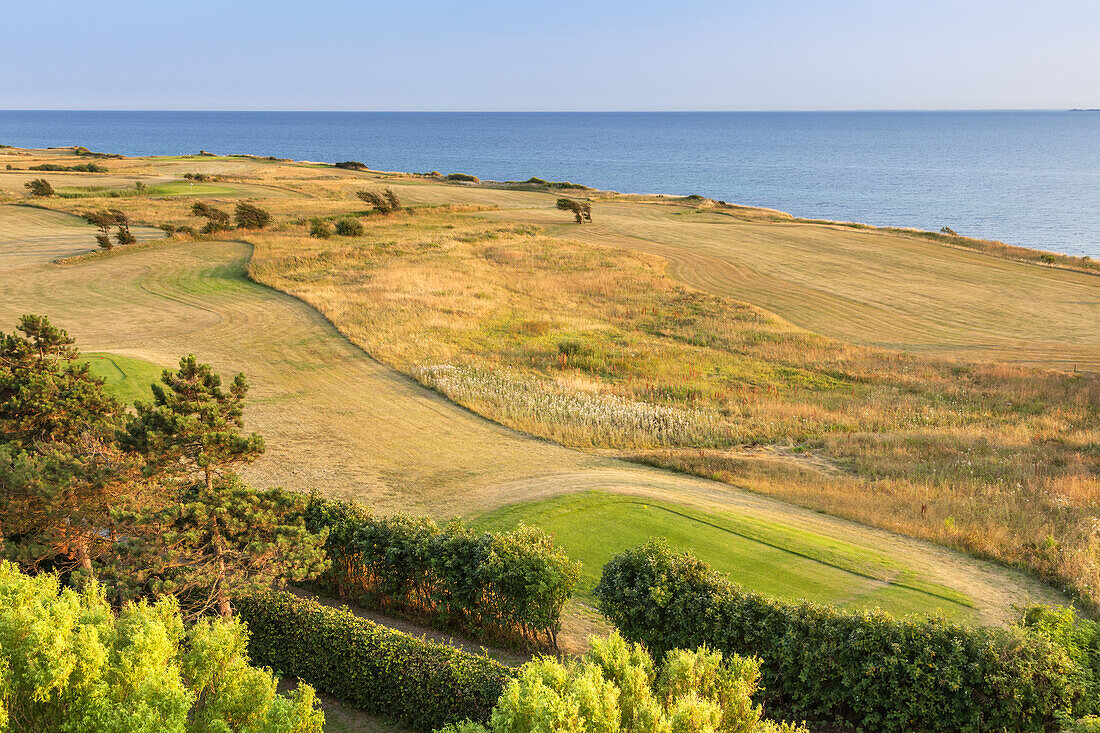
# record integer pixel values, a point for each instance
(556, 55)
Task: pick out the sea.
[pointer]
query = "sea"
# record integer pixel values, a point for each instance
(1030, 178)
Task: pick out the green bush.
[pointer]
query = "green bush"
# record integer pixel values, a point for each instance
(81, 168)
(68, 663)
(349, 228)
(376, 669)
(463, 178)
(504, 584)
(616, 688)
(350, 165)
(862, 671)
(320, 229)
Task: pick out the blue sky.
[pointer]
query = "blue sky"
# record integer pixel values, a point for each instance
(562, 55)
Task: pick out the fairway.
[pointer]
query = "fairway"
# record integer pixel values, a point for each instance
(760, 556)
(337, 421)
(868, 287)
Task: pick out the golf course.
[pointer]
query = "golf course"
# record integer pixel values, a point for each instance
(366, 354)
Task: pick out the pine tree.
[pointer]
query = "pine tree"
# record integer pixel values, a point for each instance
(60, 470)
(218, 536)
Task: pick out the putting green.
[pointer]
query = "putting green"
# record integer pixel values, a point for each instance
(767, 558)
(126, 378)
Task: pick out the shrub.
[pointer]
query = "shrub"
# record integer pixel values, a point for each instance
(392, 200)
(81, 168)
(39, 187)
(251, 217)
(349, 228)
(379, 670)
(68, 663)
(463, 178)
(320, 229)
(537, 181)
(865, 671)
(513, 582)
(350, 165)
(616, 687)
(196, 177)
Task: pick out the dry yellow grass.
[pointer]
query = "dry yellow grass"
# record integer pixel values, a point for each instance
(999, 460)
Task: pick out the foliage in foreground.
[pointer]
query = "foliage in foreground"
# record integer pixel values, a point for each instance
(865, 671)
(68, 663)
(616, 687)
(149, 502)
(506, 583)
(379, 670)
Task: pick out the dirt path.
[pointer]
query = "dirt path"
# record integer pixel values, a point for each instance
(340, 422)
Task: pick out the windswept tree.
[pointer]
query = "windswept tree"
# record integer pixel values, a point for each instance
(582, 210)
(385, 202)
(216, 219)
(39, 187)
(251, 217)
(102, 220)
(61, 473)
(123, 235)
(217, 537)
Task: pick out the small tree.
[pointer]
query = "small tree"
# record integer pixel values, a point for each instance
(60, 471)
(578, 209)
(349, 228)
(39, 187)
(251, 217)
(392, 200)
(219, 537)
(216, 219)
(123, 235)
(351, 165)
(103, 220)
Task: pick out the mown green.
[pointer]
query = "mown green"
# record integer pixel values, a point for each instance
(767, 558)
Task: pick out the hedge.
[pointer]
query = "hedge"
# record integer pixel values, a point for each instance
(487, 584)
(839, 669)
(422, 684)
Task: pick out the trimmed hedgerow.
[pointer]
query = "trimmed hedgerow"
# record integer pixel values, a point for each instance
(861, 671)
(379, 670)
(504, 584)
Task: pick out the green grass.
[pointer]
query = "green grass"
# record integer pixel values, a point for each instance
(171, 188)
(767, 558)
(127, 378)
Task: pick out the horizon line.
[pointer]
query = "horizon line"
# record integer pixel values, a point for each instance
(565, 111)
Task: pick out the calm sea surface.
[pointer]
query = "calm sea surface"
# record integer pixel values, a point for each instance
(1029, 178)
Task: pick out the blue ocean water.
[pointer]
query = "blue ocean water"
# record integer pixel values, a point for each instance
(1028, 178)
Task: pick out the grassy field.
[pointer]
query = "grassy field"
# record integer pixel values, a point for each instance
(593, 343)
(337, 420)
(666, 332)
(770, 558)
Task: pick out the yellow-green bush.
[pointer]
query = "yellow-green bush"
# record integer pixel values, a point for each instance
(68, 663)
(616, 688)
